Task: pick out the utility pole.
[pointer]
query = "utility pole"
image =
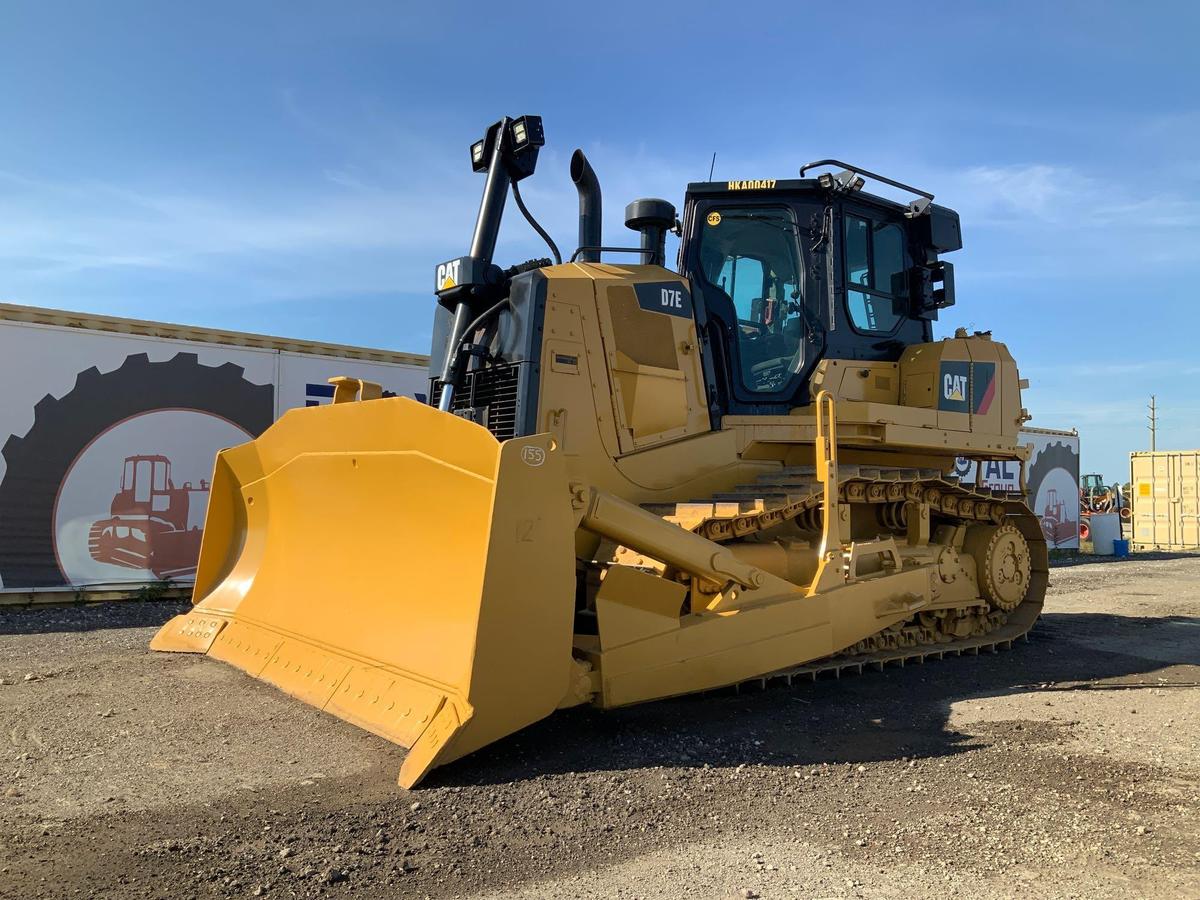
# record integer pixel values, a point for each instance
(1153, 417)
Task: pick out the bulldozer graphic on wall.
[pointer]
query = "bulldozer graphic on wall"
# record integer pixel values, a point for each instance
(150, 524)
(1056, 524)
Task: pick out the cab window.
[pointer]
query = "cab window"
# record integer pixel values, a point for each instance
(141, 481)
(750, 256)
(875, 274)
(742, 279)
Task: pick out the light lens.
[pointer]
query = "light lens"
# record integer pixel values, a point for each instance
(477, 152)
(519, 134)
(825, 180)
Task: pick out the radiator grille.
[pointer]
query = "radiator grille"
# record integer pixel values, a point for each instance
(492, 395)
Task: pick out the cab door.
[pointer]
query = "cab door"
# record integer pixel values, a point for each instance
(871, 318)
(761, 308)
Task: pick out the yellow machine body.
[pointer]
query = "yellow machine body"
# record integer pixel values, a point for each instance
(401, 568)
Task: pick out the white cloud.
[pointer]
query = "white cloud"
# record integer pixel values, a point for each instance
(383, 207)
(1039, 195)
(53, 229)
(990, 195)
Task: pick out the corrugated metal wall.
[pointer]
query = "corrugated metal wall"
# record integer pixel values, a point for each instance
(1166, 500)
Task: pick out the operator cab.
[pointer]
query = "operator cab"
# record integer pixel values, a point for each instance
(783, 274)
(786, 273)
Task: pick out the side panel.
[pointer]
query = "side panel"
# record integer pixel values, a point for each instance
(574, 401)
(651, 350)
(971, 382)
(613, 443)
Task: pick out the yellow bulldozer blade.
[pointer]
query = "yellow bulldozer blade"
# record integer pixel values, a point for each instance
(451, 626)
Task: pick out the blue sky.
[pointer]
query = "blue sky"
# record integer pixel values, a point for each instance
(298, 168)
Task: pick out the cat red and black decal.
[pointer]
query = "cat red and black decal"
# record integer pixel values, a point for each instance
(966, 387)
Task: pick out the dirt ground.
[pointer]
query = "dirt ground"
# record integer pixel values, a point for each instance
(1067, 767)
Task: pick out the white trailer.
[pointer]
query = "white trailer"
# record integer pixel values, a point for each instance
(108, 432)
(1051, 477)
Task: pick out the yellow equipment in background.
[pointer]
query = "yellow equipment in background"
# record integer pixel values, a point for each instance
(636, 482)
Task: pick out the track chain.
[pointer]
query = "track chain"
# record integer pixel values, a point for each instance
(794, 494)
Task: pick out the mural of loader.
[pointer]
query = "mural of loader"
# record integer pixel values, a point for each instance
(151, 525)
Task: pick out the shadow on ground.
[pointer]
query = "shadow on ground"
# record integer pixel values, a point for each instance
(900, 712)
(889, 715)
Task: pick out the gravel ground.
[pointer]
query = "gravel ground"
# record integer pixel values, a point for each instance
(1068, 767)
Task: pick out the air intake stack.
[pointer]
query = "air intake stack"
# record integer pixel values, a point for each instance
(652, 218)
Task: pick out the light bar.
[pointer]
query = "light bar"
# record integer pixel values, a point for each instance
(478, 163)
(527, 131)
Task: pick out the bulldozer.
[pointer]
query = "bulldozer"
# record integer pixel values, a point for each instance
(632, 482)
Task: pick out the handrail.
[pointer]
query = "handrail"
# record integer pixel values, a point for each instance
(643, 250)
(857, 171)
(830, 564)
(827, 468)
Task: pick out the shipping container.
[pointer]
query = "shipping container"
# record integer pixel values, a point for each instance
(1166, 499)
(109, 428)
(1051, 481)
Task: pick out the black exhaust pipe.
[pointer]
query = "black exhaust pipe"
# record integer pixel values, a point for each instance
(590, 206)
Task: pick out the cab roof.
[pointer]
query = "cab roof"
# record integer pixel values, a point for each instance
(936, 226)
(789, 187)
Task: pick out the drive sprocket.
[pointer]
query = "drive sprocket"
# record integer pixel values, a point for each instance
(1003, 566)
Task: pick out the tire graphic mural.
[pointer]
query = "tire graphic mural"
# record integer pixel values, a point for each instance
(1053, 491)
(148, 525)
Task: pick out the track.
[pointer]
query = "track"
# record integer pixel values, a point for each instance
(793, 495)
(1016, 628)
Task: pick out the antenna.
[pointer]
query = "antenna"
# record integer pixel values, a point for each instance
(712, 166)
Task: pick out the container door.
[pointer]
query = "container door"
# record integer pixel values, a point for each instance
(1189, 502)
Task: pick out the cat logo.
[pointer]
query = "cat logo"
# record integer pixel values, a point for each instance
(714, 218)
(447, 275)
(954, 387)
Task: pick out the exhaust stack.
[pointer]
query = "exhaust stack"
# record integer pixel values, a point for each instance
(590, 206)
